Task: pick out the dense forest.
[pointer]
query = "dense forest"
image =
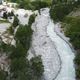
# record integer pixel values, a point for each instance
(32, 4)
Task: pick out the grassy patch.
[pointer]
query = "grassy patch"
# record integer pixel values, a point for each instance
(4, 21)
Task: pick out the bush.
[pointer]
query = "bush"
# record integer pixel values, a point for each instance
(20, 69)
(15, 22)
(33, 5)
(78, 73)
(19, 64)
(77, 59)
(59, 11)
(39, 4)
(18, 51)
(37, 66)
(73, 31)
(6, 47)
(26, 4)
(3, 75)
(5, 16)
(10, 14)
(23, 35)
(10, 30)
(31, 19)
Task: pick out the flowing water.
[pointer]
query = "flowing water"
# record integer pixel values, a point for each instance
(67, 71)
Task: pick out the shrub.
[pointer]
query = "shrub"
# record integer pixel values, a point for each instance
(3, 75)
(37, 66)
(19, 64)
(23, 35)
(73, 31)
(10, 14)
(15, 22)
(5, 16)
(59, 11)
(78, 73)
(24, 3)
(39, 4)
(31, 19)
(10, 30)
(77, 59)
(18, 51)
(6, 47)
(33, 5)
(20, 69)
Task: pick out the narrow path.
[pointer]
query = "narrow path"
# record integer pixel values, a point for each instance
(67, 72)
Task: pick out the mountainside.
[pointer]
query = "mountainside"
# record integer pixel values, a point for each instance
(40, 40)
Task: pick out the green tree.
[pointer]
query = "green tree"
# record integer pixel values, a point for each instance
(20, 69)
(31, 19)
(6, 47)
(24, 3)
(11, 30)
(73, 31)
(3, 75)
(78, 73)
(23, 35)
(77, 59)
(5, 16)
(37, 66)
(10, 14)
(15, 22)
(60, 10)
(19, 64)
(18, 51)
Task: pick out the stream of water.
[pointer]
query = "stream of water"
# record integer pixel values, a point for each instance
(67, 71)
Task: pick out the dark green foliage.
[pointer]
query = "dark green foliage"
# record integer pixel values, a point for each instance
(23, 4)
(31, 19)
(18, 51)
(36, 64)
(5, 47)
(23, 35)
(33, 5)
(10, 14)
(3, 75)
(13, 1)
(78, 73)
(20, 69)
(77, 59)
(11, 30)
(39, 4)
(59, 11)
(61, 8)
(15, 22)
(19, 64)
(5, 16)
(73, 31)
